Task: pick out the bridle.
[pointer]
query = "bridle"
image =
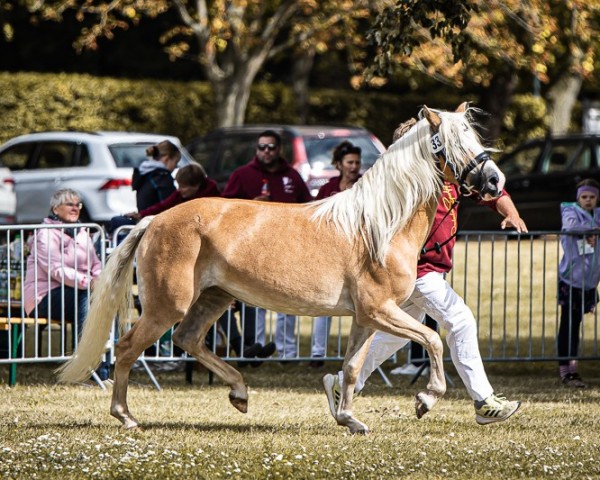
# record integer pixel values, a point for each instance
(464, 189)
(482, 158)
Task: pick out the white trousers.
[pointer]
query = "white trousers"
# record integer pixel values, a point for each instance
(434, 296)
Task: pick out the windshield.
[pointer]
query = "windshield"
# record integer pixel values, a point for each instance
(131, 155)
(320, 150)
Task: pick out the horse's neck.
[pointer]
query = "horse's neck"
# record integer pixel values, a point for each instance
(418, 227)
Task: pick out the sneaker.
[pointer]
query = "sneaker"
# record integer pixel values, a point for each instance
(331, 383)
(409, 369)
(573, 380)
(173, 366)
(316, 364)
(267, 350)
(494, 409)
(250, 352)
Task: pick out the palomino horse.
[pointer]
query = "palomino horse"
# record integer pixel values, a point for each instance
(352, 254)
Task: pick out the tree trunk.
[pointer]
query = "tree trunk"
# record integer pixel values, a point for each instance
(562, 97)
(233, 92)
(495, 101)
(303, 65)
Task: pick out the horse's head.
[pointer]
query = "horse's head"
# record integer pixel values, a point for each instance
(463, 160)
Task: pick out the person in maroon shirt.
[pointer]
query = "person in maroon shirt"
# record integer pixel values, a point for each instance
(347, 159)
(433, 296)
(192, 182)
(269, 178)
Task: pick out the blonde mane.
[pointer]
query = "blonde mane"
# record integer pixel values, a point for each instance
(405, 177)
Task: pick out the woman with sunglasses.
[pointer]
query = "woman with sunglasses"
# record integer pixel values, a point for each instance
(62, 267)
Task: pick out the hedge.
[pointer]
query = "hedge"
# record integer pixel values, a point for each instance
(33, 102)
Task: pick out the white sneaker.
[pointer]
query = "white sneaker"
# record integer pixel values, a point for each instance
(494, 409)
(331, 384)
(409, 369)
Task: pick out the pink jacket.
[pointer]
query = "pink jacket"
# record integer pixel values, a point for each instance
(59, 259)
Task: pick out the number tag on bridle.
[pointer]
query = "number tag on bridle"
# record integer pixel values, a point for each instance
(436, 143)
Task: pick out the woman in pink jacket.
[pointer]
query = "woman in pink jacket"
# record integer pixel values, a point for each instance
(62, 267)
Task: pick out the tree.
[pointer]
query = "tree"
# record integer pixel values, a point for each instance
(233, 38)
(490, 45)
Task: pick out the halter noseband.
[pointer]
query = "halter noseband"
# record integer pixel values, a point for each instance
(465, 190)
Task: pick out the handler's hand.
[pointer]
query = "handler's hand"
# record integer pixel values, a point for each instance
(514, 221)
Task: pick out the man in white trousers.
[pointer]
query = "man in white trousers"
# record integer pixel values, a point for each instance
(434, 296)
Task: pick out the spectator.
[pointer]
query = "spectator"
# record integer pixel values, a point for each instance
(268, 177)
(62, 267)
(578, 275)
(246, 344)
(192, 183)
(433, 296)
(347, 159)
(152, 180)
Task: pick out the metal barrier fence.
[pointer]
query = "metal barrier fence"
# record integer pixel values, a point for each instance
(508, 280)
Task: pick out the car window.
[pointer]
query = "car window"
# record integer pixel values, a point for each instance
(584, 160)
(16, 157)
(560, 156)
(204, 151)
(522, 161)
(319, 150)
(129, 155)
(237, 150)
(56, 155)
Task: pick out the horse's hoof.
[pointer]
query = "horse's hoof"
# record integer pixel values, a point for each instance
(423, 404)
(356, 427)
(364, 430)
(240, 404)
(129, 424)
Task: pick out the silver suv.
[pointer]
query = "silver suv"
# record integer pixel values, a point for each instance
(99, 165)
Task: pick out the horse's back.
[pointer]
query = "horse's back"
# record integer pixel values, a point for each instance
(267, 253)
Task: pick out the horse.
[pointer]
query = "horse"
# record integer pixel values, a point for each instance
(352, 254)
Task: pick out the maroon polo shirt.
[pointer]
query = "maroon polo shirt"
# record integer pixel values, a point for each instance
(444, 226)
(285, 184)
(330, 188)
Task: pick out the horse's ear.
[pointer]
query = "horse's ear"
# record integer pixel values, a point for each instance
(462, 108)
(433, 118)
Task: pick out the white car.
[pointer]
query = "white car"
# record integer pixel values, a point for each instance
(8, 198)
(99, 165)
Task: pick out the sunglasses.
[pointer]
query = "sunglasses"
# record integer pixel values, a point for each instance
(76, 205)
(263, 146)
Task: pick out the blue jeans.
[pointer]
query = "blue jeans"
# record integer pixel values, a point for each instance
(73, 307)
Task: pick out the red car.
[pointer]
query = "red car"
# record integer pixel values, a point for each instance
(308, 148)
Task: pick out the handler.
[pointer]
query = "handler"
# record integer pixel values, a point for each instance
(434, 296)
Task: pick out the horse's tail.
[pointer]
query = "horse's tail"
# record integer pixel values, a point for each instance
(112, 295)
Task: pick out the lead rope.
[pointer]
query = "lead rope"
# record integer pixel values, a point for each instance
(437, 246)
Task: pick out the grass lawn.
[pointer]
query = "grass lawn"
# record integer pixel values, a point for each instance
(191, 431)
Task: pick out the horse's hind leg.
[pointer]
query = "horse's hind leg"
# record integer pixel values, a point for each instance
(359, 342)
(190, 336)
(147, 330)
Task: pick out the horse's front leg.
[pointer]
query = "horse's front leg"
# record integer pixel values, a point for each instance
(190, 335)
(359, 342)
(392, 319)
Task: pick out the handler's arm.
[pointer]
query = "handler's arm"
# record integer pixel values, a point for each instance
(507, 209)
